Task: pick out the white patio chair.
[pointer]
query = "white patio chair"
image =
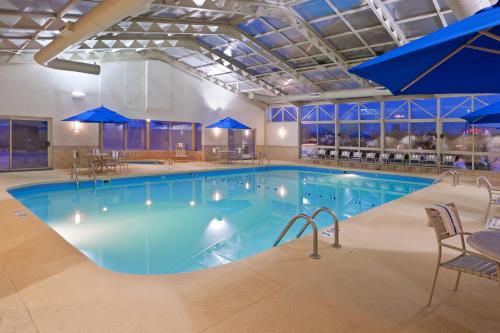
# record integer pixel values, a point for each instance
(447, 225)
(493, 193)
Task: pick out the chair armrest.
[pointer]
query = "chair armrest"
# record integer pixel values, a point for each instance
(465, 251)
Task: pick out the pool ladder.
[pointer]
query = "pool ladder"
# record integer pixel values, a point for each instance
(310, 221)
(74, 174)
(261, 156)
(456, 177)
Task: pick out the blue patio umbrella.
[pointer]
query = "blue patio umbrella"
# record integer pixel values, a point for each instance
(488, 115)
(464, 57)
(99, 115)
(229, 123)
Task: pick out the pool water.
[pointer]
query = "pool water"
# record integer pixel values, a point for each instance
(190, 221)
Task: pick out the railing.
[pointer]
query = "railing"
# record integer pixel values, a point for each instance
(315, 254)
(261, 156)
(92, 173)
(335, 219)
(456, 177)
(74, 174)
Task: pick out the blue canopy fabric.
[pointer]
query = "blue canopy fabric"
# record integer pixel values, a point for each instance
(488, 115)
(229, 123)
(99, 115)
(461, 58)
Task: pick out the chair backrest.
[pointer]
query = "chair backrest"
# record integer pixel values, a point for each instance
(483, 181)
(215, 150)
(385, 156)
(436, 221)
(357, 154)
(430, 157)
(370, 155)
(399, 156)
(346, 153)
(95, 151)
(333, 153)
(415, 157)
(448, 158)
(321, 151)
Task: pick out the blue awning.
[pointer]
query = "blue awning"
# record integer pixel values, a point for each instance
(488, 115)
(229, 123)
(461, 58)
(99, 115)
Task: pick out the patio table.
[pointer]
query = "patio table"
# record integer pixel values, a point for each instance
(487, 242)
(228, 154)
(100, 161)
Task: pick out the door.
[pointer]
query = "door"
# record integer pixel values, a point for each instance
(30, 144)
(4, 144)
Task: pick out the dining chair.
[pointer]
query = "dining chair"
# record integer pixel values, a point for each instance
(447, 225)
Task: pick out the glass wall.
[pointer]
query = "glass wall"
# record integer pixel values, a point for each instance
(141, 134)
(427, 125)
(136, 135)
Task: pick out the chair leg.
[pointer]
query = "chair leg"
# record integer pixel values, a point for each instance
(487, 214)
(433, 285)
(458, 280)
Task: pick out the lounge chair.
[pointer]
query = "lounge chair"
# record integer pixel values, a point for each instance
(345, 156)
(494, 194)
(448, 161)
(399, 159)
(385, 159)
(333, 155)
(357, 156)
(447, 225)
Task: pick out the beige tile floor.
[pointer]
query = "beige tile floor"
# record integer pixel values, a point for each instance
(378, 282)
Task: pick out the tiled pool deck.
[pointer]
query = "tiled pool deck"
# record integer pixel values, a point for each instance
(378, 282)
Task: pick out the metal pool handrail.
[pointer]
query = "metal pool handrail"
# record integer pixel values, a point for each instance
(315, 254)
(456, 177)
(336, 243)
(74, 174)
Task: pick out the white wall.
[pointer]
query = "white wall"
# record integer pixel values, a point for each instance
(283, 134)
(137, 88)
(32, 90)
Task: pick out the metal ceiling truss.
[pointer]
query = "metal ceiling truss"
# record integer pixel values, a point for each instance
(387, 21)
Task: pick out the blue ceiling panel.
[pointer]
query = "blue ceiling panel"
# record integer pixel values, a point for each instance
(313, 9)
(254, 27)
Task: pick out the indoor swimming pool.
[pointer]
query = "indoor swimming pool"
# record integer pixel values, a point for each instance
(188, 221)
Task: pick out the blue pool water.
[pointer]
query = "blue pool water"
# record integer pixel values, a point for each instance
(184, 222)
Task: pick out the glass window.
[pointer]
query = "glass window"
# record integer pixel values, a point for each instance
(397, 136)
(455, 137)
(423, 136)
(349, 135)
(199, 130)
(159, 135)
(136, 135)
(424, 108)
(369, 110)
(290, 113)
(326, 112)
(276, 115)
(182, 133)
(348, 111)
(308, 113)
(489, 163)
(370, 135)
(4, 144)
(113, 137)
(482, 101)
(326, 134)
(309, 133)
(455, 107)
(396, 110)
(487, 138)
